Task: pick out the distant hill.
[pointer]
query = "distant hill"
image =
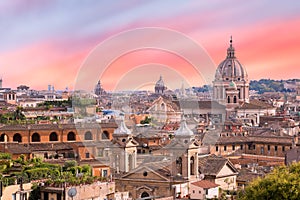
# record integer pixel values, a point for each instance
(262, 85)
(269, 85)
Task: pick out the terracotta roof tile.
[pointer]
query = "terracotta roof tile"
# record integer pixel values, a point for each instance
(205, 184)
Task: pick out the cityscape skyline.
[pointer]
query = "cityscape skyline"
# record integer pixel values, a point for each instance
(52, 39)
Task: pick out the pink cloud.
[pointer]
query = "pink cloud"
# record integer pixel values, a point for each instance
(40, 64)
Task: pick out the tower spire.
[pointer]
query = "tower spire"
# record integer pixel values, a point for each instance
(230, 50)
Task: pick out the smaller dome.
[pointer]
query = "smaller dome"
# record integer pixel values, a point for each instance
(122, 129)
(160, 82)
(183, 129)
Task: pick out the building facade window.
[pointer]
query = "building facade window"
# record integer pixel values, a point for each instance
(100, 152)
(225, 148)
(144, 195)
(283, 148)
(275, 148)
(3, 138)
(53, 137)
(105, 135)
(35, 137)
(104, 173)
(192, 165)
(17, 137)
(262, 150)
(71, 136)
(179, 165)
(233, 147)
(87, 155)
(269, 147)
(241, 147)
(88, 136)
(217, 148)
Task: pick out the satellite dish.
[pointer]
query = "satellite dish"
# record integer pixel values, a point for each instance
(72, 192)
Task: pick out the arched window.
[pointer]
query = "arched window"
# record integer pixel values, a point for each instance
(17, 137)
(228, 99)
(162, 106)
(192, 165)
(144, 195)
(88, 136)
(179, 165)
(105, 135)
(234, 99)
(3, 138)
(35, 137)
(53, 137)
(71, 136)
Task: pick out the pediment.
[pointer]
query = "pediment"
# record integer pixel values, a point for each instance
(227, 170)
(156, 106)
(146, 174)
(131, 143)
(194, 144)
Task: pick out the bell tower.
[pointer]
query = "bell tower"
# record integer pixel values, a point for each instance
(124, 156)
(185, 150)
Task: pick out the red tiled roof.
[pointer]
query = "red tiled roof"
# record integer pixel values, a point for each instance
(205, 184)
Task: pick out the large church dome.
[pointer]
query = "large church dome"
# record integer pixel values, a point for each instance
(231, 69)
(231, 83)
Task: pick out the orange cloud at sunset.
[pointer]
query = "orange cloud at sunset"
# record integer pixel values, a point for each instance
(41, 64)
(123, 65)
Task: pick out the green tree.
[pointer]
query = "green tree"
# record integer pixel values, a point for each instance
(18, 115)
(147, 120)
(35, 192)
(282, 183)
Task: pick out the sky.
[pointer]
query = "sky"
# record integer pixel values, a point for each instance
(54, 42)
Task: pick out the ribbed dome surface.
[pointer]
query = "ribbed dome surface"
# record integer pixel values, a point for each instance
(230, 68)
(160, 82)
